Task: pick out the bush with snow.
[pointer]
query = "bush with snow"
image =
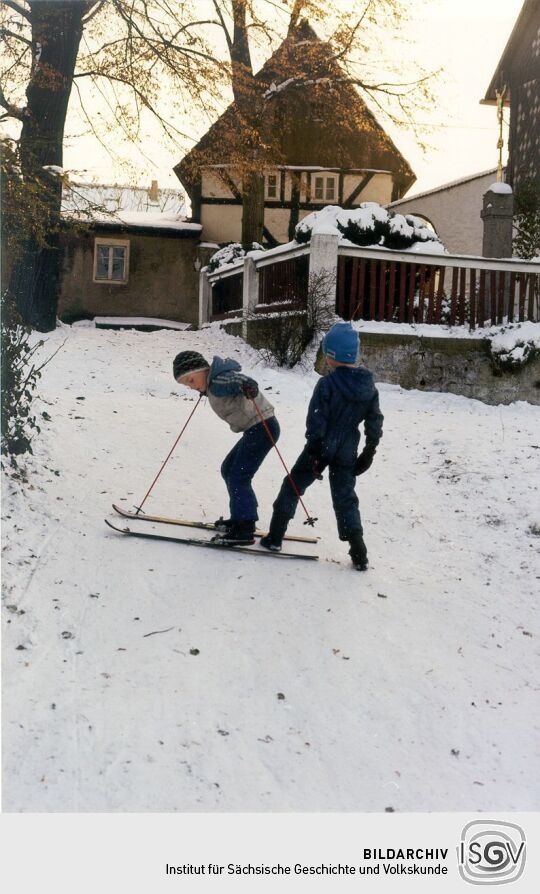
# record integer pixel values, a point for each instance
(230, 254)
(515, 345)
(370, 225)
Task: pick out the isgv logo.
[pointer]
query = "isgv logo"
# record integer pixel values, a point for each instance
(491, 852)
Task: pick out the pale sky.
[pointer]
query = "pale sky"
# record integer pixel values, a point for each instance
(464, 37)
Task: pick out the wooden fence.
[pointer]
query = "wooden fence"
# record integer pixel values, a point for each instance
(456, 291)
(283, 284)
(227, 296)
(391, 286)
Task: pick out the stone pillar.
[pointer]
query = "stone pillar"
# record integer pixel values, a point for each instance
(497, 214)
(205, 298)
(323, 261)
(204, 252)
(250, 293)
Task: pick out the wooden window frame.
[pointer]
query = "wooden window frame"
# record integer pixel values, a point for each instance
(325, 177)
(267, 196)
(111, 243)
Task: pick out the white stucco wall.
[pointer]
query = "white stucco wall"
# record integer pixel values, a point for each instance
(454, 211)
(221, 223)
(379, 188)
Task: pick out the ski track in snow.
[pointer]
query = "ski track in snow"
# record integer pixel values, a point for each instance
(314, 687)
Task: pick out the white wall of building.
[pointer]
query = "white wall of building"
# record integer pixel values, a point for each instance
(454, 211)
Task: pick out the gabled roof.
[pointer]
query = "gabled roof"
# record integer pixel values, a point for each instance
(519, 45)
(307, 95)
(443, 187)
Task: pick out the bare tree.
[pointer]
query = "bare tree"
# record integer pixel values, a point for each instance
(283, 337)
(132, 45)
(149, 56)
(357, 31)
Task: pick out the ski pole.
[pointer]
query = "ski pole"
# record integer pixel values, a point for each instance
(309, 518)
(139, 508)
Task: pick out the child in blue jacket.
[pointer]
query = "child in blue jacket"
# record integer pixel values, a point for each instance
(340, 402)
(236, 399)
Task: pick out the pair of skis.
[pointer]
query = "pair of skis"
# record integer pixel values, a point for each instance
(193, 541)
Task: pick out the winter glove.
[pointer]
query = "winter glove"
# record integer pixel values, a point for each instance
(317, 464)
(365, 459)
(250, 390)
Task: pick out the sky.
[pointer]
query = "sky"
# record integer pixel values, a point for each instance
(465, 38)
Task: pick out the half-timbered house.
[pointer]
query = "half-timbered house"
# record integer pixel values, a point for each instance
(328, 148)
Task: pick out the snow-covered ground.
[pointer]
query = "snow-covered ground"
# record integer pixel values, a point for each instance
(145, 676)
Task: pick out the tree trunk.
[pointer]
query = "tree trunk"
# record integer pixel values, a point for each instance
(56, 33)
(252, 209)
(249, 104)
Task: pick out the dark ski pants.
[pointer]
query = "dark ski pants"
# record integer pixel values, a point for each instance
(342, 483)
(240, 465)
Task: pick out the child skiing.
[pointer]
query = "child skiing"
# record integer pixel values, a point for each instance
(340, 402)
(232, 396)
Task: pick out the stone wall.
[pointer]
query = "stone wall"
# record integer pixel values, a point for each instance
(162, 280)
(457, 365)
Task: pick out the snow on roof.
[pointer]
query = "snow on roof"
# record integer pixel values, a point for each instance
(313, 168)
(137, 219)
(450, 185)
(157, 219)
(120, 197)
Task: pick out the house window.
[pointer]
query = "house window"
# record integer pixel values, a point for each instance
(111, 260)
(272, 186)
(325, 188)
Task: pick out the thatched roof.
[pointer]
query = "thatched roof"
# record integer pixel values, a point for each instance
(317, 118)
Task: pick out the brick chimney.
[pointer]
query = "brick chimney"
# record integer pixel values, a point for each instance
(153, 193)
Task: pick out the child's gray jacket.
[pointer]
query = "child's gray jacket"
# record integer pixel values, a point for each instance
(225, 396)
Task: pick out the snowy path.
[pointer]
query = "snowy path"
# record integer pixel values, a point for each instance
(413, 686)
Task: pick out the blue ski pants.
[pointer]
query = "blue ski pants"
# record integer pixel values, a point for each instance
(342, 480)
(240, 465)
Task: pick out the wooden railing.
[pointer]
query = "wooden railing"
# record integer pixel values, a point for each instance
(227, 295)
(283, 284)
(415, 288)
(376, 284)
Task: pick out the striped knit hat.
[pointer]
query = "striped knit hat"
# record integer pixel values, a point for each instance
(188, 361)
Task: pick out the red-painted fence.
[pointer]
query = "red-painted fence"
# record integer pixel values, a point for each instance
(413, 292)
(388, 286)
(283, 284)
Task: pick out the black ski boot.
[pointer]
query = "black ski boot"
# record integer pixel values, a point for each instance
(239, 533)
(276, 533)
(222, 524)
(358, 551)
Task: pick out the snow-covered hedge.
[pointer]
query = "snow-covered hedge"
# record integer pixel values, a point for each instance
(371, 224)
(515, 345)
(230, 254)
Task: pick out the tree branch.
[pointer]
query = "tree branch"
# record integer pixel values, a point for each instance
(223, 25)
(20, 10)
(93, 12)
(12, 111)
(145, 102)
(295, 14)
(5, 32)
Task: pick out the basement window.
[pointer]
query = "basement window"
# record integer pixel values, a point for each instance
(111, 260)
(325, 188)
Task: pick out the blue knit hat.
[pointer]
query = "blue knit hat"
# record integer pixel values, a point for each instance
(342, 343)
